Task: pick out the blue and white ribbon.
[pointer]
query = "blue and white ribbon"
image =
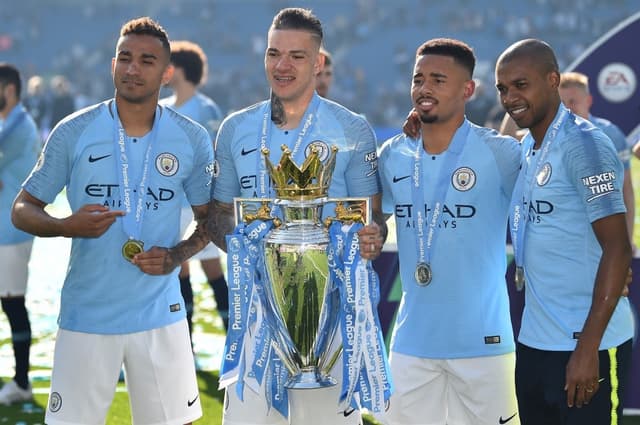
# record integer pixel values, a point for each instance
(250, 358)
(365, 363)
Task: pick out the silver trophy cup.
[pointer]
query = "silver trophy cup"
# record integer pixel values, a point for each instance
(301, 304)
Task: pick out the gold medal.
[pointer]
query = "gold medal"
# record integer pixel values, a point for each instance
(423, 274)
(131, 248)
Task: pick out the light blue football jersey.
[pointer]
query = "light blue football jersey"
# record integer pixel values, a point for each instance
(617, 137)
(239, 141)
(104, 293)
(19, 148)
(464, 311)
(579, 182)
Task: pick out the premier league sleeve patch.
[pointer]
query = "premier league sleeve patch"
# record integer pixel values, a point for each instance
(599, 185)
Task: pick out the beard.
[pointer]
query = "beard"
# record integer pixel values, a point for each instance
(3, 102)
(428, 119)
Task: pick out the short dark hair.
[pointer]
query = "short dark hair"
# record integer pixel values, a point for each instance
(538, 51)
(191, 58)
(147, 26)
(9, 74)
(460, 51)
(296, 18)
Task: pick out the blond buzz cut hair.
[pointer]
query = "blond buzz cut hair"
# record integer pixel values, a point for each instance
(574, 79)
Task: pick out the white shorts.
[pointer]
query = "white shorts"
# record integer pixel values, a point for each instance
(479, 390)
(187, 226)
(14, 263)
(253, 410)
(159, 373)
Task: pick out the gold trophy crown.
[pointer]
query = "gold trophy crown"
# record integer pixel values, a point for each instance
(310, 181)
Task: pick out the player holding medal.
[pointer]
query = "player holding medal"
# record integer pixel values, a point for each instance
(449, 188)
(126, 164)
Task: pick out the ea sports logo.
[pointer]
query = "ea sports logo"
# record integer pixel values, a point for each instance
(617, 82)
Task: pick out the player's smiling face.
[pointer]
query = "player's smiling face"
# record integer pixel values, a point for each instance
(526, 92)
(291, 63)
(139, 68)
(440, 88)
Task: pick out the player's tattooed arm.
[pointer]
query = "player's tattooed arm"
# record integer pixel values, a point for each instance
(220, 223)
(193, 244)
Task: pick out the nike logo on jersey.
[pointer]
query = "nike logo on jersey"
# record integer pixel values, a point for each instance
(97, 158)
(348, 412)
(190, 402)
(504, 421)
(243, 152)
(397, 179)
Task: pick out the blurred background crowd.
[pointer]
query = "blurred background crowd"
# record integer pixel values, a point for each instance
(64, 47)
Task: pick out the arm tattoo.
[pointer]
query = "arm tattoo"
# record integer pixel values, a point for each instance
(220, 223)
(277, 111)
(193, 244)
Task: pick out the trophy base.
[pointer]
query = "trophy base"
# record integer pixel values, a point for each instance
(308, 380)
(317, 407)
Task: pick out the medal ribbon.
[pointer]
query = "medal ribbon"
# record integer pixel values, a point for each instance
(132, 224)
(265, 140)
(519, 216)
(451, 159)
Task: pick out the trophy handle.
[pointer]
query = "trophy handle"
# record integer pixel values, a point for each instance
(246, 210)
(350, 210)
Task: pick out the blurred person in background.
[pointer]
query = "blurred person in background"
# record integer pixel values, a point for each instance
(574, 93)
(324, 79)
(190, 70)
(19, 147)
(61, 102)
(37, 103)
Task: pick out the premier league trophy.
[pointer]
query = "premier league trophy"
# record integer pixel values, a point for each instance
(284, 253)
(301, 304)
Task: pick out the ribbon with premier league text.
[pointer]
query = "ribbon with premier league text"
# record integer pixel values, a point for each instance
(365, 363)
(242, 253)
(249, 358)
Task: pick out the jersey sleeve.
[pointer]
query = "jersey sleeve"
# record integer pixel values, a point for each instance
(197, 185)
(383, 165)
(362, 177)
(507, 153)
(226, 185)
(51, 172)
(596, 172)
